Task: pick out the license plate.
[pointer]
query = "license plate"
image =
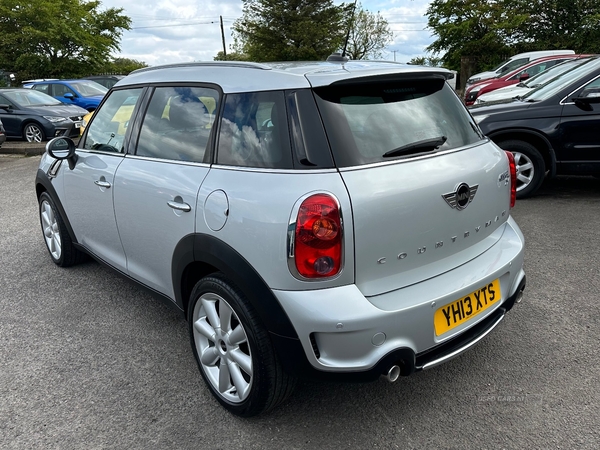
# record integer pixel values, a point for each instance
(458, 312)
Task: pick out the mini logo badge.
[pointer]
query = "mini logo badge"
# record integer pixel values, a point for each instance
(461, 197)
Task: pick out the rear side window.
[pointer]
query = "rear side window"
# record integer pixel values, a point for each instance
(378, 121)
(178, 123)
(254, 131)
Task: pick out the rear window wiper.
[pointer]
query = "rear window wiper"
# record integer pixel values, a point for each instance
(424, 145)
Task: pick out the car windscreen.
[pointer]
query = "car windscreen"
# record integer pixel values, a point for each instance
(27, 97)
(378, 121)
(89, 88)
(552, 72)
(557, 84)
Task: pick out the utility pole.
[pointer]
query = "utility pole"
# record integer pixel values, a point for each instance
(223, 37)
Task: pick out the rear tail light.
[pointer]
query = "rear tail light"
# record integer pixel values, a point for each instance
(317, 240)
(513, 178)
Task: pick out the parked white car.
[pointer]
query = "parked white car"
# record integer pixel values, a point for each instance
(514, 62)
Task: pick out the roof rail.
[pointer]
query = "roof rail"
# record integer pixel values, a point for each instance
(242, 64)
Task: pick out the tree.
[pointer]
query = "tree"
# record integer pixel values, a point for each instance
(290, 30)
(431, 61)
(480, 29)
(58, 38)
(487, 31)
(369, 34)
(231, 56)
(124, 66)
(565, 24)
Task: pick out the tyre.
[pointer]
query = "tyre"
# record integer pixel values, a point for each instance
(234, 350)
(57, 239)
(531, 168)
(32, 132)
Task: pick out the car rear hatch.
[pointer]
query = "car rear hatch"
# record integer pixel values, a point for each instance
(428, 191)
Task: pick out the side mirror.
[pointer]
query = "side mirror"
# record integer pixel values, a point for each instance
(4, 106)
(585, 103)
(69, 95)
(62, 148)
(524, 76)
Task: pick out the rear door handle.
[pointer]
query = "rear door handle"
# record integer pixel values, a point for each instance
(102, 183)
(180, 206)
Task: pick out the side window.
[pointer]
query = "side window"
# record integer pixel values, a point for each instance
(60, 90)
(592, 89)
(42, 88)
(514, 64)
(254, 131)
(106, 132)
(177, 123)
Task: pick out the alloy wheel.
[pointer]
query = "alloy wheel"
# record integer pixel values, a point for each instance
(223, 347)
(525, 170)
(51, 230)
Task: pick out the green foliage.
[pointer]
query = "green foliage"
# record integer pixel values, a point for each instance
(123, 66)
(369, 34)
(487, 31)
(231, 56)
(290, 30)
(58, 38)
(431, 61)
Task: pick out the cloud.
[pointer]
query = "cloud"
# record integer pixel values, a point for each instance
(172, 31)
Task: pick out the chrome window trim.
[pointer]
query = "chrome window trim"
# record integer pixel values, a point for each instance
(170, 161)
(564, 102)
(99, 152)
(271, 170)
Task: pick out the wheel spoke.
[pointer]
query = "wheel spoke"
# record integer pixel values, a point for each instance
(237, 336)
(524, 179)
(238, 380)
(204, 328)
(225, 313)
(242, 359)
(526, 166)
(224, 377)
(209, 356)
(210, 307)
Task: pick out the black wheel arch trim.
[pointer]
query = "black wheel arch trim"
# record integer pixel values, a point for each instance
(509, 133)
(42, 179)
(206, 253)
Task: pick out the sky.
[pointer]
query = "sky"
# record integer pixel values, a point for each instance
(174, 31)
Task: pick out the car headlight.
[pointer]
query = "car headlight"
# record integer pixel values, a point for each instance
(473, 80)
(479, 87)
(54, 119)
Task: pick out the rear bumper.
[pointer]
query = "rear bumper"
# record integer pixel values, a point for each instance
(342, 333)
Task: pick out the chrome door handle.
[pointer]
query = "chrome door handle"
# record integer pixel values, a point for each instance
(102, 183)
(180, 206)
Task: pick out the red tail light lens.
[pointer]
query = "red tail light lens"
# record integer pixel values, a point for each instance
(318, 237)
(513, 178)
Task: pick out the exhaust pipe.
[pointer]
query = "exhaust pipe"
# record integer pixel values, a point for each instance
(392, 374)
(519, 296)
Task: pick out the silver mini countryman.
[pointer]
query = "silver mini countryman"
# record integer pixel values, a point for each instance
(332, 220)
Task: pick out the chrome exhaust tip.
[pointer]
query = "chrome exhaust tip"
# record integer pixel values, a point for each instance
(392, 374)
(519, 296)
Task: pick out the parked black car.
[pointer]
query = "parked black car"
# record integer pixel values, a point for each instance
(2, 134)
(107, 81)
(553, 130)
(35, 117)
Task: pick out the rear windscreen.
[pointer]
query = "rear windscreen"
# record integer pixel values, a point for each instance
(381, 121)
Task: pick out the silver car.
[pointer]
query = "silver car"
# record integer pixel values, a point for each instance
(333, 220)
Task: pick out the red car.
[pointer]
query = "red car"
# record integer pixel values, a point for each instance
(521, 74)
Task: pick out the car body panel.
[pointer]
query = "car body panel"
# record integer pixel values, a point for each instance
(570, 130)
(532, 68)
(242, 220)
(21, 112)
(86, 94)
